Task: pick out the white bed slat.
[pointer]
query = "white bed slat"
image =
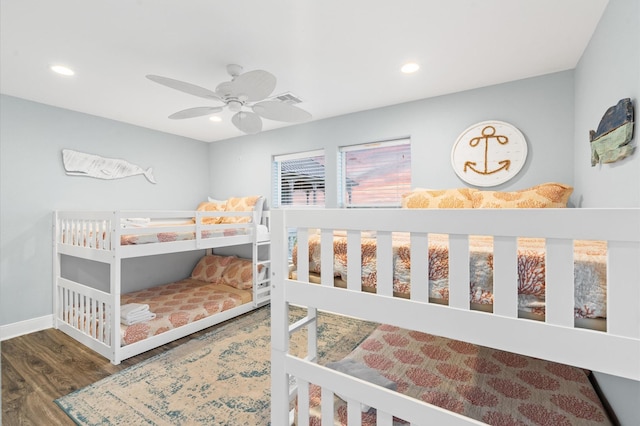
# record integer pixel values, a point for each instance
(312, 335)
(419, 268)
(354, 266)
(459, 271)
(327, 409)
(505, 276)
(384, 263)
(383, 418)
(326, 258)
(559, 294)
(303, 253)
(354, 413)
(303, 402)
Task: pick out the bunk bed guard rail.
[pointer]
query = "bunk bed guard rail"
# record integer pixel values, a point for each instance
(615, 351)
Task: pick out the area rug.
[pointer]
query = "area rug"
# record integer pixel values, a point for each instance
(222, 378)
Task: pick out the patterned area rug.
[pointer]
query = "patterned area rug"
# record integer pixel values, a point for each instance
(222, 378)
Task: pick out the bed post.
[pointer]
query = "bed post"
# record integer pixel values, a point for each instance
(115, 274)
(56, 269)
(279, 322)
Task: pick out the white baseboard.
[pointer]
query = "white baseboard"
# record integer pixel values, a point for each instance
(25, 327)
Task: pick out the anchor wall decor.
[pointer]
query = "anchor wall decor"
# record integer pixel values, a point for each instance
(489, 153)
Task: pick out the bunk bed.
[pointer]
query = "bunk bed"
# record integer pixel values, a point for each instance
(325, 392)
(105, 317)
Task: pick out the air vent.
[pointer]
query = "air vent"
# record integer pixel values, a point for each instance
(287, 97)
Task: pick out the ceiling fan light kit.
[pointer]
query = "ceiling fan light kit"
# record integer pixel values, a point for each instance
(248, 90)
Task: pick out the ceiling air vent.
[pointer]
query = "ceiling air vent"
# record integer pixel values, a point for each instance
(286, 97)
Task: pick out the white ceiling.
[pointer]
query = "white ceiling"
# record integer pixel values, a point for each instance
(338, 56)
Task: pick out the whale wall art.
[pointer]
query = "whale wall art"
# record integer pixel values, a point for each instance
(82, 164)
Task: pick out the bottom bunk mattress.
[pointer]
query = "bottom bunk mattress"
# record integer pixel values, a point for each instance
(489, 385)
(179, 303)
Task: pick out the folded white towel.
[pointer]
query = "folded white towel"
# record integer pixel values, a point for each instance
(133, 309)
(133, 313)
(138, 318)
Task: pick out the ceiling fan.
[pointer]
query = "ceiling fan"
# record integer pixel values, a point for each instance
(245, 91)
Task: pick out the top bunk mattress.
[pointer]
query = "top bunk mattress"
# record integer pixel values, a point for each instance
(135, 238)
(589, 269)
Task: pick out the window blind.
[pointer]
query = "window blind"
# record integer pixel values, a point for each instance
(374, 174)
(299, 179)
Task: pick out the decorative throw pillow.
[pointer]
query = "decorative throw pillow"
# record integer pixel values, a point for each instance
(211, 267)
(239, 273)
(242, 204)
(546, 195)
(211, 206)
(459, 198)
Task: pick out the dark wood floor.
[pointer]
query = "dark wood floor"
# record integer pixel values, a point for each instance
(40, 367)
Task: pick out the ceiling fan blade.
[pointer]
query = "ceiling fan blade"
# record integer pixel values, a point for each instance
(247, 122)
(182, 86)
(255, 85)
(194, 112)
(280, 111)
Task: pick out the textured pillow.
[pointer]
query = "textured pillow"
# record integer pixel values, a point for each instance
(212, 206)
(239, 273)
(546, 195)
(211, 267)
(459, 198)
(242, 204)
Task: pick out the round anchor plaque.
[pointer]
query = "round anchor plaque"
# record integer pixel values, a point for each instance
(489, 153)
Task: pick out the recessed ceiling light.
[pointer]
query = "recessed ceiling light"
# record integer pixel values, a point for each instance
(215, 118)
(60, 69)
(410, 67)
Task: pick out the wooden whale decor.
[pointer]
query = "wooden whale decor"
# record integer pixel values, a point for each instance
(610, 142)
(82, 164)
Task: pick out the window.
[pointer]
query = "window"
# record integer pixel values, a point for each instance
(374, 174)
(299, 179)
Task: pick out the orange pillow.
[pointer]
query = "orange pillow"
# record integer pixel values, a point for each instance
(438, 199)
(210, 268)
(239, 273)
(209, 206)
(546, 195)
(242, 204)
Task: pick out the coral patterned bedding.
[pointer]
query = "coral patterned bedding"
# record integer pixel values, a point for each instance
(489, 385)
(589, 270)
(164, 237)
(179, 303)
(252, 204)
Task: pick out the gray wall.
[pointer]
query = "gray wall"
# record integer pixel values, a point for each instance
(608, 71)
(33, 184)
(541, 107)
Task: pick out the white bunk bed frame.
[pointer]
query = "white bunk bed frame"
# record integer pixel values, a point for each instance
(615, 351)
(105, 229)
